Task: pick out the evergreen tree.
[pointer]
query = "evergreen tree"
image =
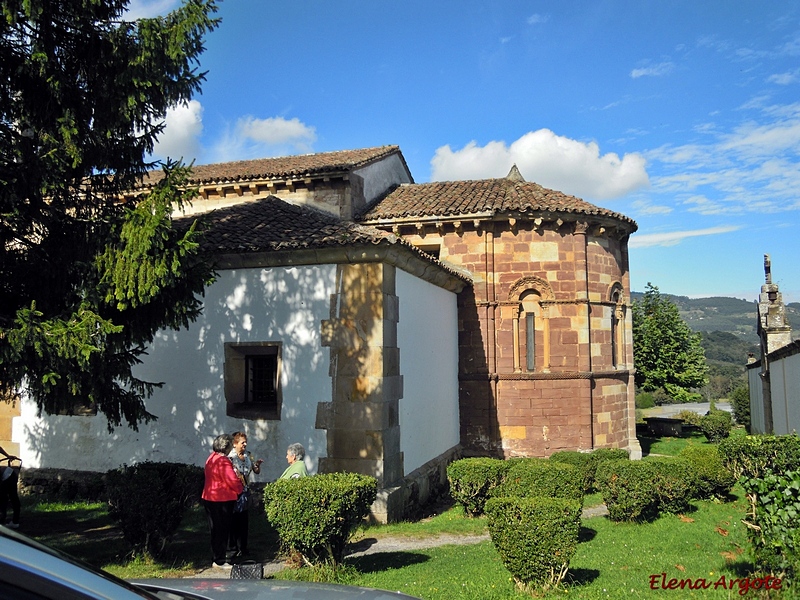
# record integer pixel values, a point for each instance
(86, 280)
(666, 354)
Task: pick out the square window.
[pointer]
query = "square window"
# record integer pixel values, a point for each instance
(252, 380)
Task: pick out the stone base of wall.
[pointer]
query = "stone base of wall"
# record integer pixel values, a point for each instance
(419, 489)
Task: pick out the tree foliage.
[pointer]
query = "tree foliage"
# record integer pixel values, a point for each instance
(87, 280)
(666, 354)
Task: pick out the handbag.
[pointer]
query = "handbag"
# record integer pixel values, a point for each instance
(248, 569)
(243, 501)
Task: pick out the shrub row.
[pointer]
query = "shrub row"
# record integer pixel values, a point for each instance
(768, 468)
(641, 490)
(533, 507)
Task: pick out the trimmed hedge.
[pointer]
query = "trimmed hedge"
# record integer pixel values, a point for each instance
(587, 462)
(582, 461)
(713, 479)
(774, 521)
(755, 455)
(716, 425)
(317, 515)
(148, 501)
(627, 489)
(473, 479)
(675, 483)
(535, 537)
(532, 477)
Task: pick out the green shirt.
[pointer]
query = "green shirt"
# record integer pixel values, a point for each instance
(296, 470)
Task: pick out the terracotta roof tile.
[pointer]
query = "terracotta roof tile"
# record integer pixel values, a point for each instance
(492, 196)
(271, 224)
(281, 167)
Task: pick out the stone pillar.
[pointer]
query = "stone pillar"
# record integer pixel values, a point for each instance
(774, 332)
(362, 418)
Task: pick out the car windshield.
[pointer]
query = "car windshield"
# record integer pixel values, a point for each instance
(21, 539)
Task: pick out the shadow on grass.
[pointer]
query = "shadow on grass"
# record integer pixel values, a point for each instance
(580, 577)
(586, 534)
(383, 561)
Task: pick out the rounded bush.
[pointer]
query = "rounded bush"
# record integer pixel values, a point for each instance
(535, 537)
(627, 489)
(148, 501)
(582, 461)
(675, 483)
(716, 425)
(473, 479)
(317, 515)
(713, 479)
(532, 477)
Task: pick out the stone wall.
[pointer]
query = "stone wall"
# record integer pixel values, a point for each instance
(579, 395)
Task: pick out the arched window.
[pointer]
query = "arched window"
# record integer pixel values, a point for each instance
(530, 314)
(531, 330)
(617, 326)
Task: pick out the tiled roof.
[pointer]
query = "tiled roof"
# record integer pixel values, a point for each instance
(486, 196)
(270, 224)
(282, 167)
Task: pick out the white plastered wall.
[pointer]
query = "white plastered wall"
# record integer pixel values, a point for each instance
(244, 305)
(785, 389)
(427, 335)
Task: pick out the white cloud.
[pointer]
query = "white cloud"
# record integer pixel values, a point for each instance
(143, 9)
(784, 78)
(273, 136)
(535, 19)
(181, 135)
(550, 160)
(276, 130)
(658, 70)
(644, 207)
(676, 237)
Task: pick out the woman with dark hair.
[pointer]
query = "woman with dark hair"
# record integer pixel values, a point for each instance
(220, 491)
(243, 463)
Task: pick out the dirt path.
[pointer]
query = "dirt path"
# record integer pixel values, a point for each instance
(389, 544)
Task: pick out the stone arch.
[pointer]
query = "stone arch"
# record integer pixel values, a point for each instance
(531, 282)
(529, 317)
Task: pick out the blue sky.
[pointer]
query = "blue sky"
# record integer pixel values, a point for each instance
(684, 116)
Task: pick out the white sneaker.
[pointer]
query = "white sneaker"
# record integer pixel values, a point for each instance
(227, 566)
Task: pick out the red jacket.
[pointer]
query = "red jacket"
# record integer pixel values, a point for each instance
(222, 484)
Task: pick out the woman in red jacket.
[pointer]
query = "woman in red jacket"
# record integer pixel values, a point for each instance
(222, 487)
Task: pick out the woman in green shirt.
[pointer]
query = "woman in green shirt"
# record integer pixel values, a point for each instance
(295, 454)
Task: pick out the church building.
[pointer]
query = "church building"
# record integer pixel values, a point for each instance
(388, 326)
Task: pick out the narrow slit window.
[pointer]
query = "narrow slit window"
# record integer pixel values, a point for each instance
(530, 341)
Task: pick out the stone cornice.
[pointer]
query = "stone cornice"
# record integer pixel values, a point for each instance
(596, 225)
(620, 374)
(398, 256)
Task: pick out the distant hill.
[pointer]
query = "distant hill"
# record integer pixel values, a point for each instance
(731, 315)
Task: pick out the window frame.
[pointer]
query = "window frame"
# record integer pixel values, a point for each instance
(236, 380)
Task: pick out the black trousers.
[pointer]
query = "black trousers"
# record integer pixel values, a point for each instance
(219, 524)
(8, 493)
(239, 526)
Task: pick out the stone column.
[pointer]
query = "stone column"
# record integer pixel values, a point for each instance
(362, 418)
